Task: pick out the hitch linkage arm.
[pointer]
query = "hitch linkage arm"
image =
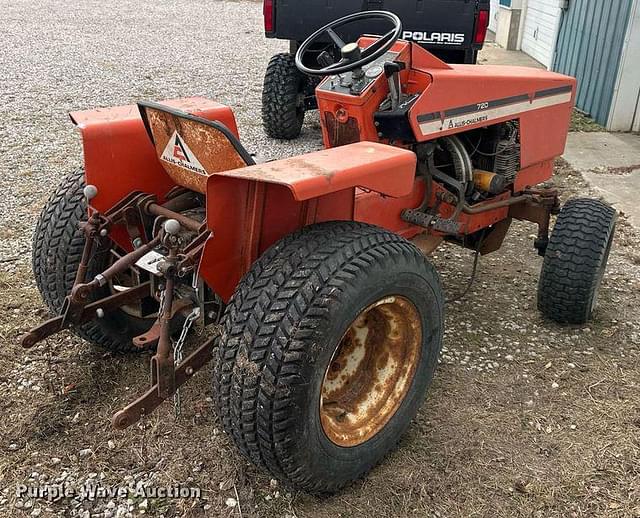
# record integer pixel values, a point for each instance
(166, 377)
(75, 309)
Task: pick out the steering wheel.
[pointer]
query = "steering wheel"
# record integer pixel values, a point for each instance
(353, 57)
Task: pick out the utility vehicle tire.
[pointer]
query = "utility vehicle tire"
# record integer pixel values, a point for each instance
(283, 98)
(327, 348)
(575, 260)
(57, 250)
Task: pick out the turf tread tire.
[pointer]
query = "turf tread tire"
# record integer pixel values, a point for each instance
(58, 243)
(270, 322)
(575, 259)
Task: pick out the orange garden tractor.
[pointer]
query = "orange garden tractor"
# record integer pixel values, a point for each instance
(315, 267)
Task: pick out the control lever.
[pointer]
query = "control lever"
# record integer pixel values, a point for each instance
(392, 73)
(352, 53)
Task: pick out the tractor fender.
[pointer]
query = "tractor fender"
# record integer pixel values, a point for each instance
(250, 208)
(389, 170)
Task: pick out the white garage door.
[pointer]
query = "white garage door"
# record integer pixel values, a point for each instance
(493, 15)
(541, 24)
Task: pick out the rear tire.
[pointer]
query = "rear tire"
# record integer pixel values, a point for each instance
(57, 250)
(575, 260)
(283, 94)
(293, 318)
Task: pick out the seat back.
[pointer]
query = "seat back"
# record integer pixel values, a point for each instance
(191, 148)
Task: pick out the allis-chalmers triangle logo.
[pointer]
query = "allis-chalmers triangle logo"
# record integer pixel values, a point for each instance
(177, 152)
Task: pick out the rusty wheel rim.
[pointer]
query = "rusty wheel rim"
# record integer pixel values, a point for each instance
(371, 371)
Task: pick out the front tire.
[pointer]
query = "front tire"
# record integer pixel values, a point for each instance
(283, 95)
(328, 346)
(575, 260)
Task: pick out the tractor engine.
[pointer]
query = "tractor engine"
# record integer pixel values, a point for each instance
(483, 161)
(499, 150)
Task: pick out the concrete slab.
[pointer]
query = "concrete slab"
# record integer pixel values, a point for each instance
(620, 190)
(603, 151)
(610, 163)
(493, 54)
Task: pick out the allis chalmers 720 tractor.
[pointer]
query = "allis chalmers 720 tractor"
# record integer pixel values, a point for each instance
(314, 267)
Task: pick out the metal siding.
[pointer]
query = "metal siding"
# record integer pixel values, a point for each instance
(493, 15)
(541, 23)
(624, 114)
(589, 48)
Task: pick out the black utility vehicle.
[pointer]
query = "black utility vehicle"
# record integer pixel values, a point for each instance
(453, 30)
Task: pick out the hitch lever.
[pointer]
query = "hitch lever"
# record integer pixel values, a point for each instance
(162, 363)
(392, 73)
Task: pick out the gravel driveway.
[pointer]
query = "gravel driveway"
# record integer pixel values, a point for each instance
(57, 58)
(525, 418)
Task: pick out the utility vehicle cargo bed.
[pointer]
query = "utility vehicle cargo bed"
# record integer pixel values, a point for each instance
(443, 25)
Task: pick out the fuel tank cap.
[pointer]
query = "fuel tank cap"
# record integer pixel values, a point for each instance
(373, 72)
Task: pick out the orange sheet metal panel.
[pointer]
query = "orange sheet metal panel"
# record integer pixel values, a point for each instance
(376, 209)
(250, 208)
(190, 149)
(356, 111)
(469, 96)
(116, 146)
(247, 216)
(533, 175)
(385, 169)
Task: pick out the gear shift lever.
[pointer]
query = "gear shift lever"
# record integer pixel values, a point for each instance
(351, 52)
(392, 73)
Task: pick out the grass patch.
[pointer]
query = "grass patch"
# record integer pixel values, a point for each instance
(584, 123)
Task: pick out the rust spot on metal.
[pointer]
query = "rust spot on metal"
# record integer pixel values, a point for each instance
(209, 146)
(148, 339)
(371, 371)
(312, 168)
(341, 133)
(288, 170)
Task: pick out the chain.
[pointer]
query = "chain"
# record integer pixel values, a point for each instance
(177, 352)
(161, 301)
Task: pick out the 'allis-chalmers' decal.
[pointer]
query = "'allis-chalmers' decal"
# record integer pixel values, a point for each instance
(177, 152)
(486, 111)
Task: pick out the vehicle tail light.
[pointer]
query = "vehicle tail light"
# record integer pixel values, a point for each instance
(481, 27)
(267, 11)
